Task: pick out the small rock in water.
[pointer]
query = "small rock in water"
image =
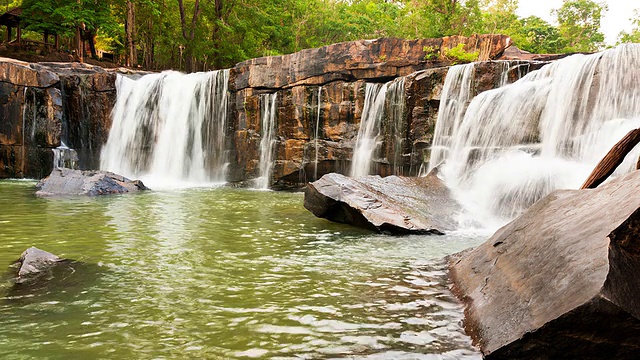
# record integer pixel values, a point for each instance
(34, 262)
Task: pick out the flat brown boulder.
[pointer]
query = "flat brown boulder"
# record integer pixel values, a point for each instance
(76, 182)
(396, 205)
(561, 281)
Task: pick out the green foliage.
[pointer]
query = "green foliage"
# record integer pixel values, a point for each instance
(579, 25)
(458, 55)
(437, 18)
(499, 16)
(430, 53)
(535, 35)
(63, 16)
(220, 33)
(634, 35)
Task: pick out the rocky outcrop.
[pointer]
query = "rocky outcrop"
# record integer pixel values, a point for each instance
(45, 104)
(335, 121)
(394, 205)
(91, 183)
(384, 58)
(320, 98)
(560, 281)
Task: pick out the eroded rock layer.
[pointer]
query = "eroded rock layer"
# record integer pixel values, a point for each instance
(320, 100)
(43, 105)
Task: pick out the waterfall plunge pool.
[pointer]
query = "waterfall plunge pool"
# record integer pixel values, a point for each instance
(210, 273)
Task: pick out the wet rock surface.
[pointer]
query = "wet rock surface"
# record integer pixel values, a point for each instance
(320, 99)
(560, 281)
(45, 104)
(91, 183)
(394, 205)
(39, 275)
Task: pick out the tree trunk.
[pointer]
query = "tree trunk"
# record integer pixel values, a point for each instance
(612, 160)
(130, 28)
(79, 44)
(92, 44)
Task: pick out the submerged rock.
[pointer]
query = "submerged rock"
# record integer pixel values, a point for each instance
(91, 183)
(561, 281)
(396, 205)
(34, 262)
(39, 276)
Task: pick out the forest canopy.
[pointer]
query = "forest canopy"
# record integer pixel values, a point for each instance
(197, 35)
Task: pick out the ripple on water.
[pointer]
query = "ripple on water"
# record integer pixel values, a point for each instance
(221, 273)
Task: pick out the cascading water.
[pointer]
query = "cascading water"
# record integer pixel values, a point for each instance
(369, 130)
(380, 101)
(64, 157)
(396, 106)
(317, 133)
(169, 128)
(456, 95)
(268, 141)
(546, 131)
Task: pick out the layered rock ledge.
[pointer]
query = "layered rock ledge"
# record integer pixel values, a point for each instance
(359, 60)
(63, 182)
(44, 104)
(320, 99)
(561, 281)
(394, 204)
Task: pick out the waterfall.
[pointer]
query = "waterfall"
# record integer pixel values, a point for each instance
(64, 157)
(456, 94)
(317, 133)
(381, 101)
(268, 140)
(369, 130)
(512, 145)
(396, 106)
(169, 128)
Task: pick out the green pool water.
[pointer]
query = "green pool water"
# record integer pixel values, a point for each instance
(217, 273)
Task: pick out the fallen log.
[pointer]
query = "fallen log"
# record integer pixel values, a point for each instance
(613, 159)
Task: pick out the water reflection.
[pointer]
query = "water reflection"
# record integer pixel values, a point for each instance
(220, 273)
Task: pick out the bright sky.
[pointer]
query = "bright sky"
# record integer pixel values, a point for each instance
(614, 20)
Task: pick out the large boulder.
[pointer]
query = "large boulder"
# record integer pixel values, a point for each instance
(76, 182)
(561, 281)
(394, 204)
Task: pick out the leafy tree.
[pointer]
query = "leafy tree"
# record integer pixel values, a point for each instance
(64, 17)
(499, 16)
(535, 35)
(632, 36)
(579, 24)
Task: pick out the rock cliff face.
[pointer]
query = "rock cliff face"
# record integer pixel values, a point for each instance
(42, 105)
(320, 100)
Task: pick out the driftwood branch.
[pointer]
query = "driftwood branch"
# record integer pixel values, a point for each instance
(613, 159)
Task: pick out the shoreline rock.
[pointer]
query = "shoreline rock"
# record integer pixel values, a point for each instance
(560, 281)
